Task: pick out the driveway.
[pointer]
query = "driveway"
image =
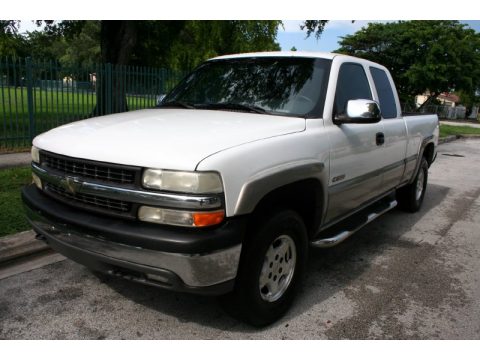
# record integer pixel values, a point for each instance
(404, 276)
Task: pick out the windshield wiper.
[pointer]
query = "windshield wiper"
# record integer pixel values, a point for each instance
(233, 106)
(176, 103)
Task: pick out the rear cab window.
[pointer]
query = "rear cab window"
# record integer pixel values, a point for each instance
(388, 105)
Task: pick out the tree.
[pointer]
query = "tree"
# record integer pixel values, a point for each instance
(44, 46)
(314, 27)
(12, 44)
(180, 45)
(174, 44)
(12, 47)
(9, 26)
(434, 56)
(167, 43)
(82, 48)
(200, 40)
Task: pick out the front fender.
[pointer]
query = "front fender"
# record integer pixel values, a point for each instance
(265, 182)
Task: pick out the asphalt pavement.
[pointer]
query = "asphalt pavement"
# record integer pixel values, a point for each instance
(404, 276)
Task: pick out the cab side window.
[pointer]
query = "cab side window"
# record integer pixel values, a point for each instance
(386, 98)
(352, 84)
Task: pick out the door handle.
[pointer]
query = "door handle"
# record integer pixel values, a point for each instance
(380, 138)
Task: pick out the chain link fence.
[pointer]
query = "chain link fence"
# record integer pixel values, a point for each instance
(444, 111)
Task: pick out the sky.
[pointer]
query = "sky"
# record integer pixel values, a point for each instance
(291, 35)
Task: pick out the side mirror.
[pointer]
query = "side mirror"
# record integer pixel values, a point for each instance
(160, 99)
(360, 111)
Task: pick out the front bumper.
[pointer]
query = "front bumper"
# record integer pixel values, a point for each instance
(202, 261)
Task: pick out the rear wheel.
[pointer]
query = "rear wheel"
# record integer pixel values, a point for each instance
(410, 197)
(272, 265)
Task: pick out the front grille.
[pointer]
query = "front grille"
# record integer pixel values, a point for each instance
(110, 205)
(90, 169)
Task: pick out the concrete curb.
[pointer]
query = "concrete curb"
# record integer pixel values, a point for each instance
(460, 123)
(19, 245)
(450, 138)
(14, 160)
(447, 139)
(472, 136)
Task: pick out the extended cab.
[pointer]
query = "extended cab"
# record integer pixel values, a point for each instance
(248, 162)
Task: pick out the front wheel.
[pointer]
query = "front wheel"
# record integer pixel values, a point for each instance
(272, 265)
(410, 197)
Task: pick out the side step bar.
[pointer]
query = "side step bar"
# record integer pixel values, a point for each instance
(335, 239)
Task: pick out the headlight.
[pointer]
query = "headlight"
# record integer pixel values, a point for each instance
(180, 217)
(35, 155)
(182, 181)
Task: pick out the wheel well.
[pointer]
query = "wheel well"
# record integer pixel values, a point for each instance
(428, 153)
(304, 197)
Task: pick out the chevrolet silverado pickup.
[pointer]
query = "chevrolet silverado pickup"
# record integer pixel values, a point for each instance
(222, 189)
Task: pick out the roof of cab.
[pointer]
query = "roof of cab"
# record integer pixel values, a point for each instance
(309, 54)
(304, 54)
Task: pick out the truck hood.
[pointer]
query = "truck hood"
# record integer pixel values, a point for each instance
(163, 138)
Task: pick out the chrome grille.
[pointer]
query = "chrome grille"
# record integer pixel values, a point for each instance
(116, 206)
(88, 169)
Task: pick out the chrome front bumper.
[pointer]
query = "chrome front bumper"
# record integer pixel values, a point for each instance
(195, 271)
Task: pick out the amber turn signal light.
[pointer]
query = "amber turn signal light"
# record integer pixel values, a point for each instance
(208, 218)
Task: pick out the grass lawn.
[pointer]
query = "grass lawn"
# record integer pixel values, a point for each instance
(12, 218)
(446, 130)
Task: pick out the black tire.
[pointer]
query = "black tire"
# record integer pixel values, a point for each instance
(275, 233)
(408, 196)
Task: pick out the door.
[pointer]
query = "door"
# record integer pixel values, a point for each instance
(355, 156)
(395, 147)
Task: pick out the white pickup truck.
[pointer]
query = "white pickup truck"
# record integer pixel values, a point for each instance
(248, 162)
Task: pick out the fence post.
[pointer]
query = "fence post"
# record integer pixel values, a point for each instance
(31, 111)
(108, 89)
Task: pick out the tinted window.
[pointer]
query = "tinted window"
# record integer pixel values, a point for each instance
(385, 93)
(292, 86)
(352, 84)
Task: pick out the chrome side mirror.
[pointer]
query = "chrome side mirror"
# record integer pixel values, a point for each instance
(360, 111)
(160, 99)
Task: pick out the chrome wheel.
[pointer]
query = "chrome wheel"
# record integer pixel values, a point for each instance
(278, 268)
(420, 181)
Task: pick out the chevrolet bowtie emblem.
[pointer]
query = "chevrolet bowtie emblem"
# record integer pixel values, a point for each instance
(72, 185)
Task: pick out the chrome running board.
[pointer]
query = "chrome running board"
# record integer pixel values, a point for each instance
(336, 239)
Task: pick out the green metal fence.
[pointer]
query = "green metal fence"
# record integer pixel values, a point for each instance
(36, 96)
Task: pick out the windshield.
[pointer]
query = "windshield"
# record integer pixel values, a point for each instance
(292, 86)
